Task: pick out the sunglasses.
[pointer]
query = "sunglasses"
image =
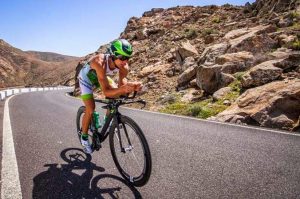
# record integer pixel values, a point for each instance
(122, 57)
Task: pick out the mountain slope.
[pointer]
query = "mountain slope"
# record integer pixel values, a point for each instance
(19, 68)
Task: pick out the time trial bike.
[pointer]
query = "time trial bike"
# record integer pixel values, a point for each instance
(128, 144)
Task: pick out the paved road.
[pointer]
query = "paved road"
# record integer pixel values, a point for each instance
(191, 158)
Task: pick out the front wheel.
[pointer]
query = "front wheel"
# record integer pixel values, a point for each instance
(130, 151)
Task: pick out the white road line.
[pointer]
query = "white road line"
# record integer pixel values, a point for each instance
(10, 186)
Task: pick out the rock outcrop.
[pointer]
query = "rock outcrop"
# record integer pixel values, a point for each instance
(263, 7)
(275, 105)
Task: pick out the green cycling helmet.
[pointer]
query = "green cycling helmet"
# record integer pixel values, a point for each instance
(120, 47)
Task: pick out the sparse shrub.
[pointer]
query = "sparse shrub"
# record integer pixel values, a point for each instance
(294, 15)
(254, 13)
(194, 110)
(239, 75)
(295, 45)
(296, 26)
(216, 20)
(175, 108)
(211, 110)
(236, 85)
(205, 113)
(207, 31)
(191, 33)
(202, 109)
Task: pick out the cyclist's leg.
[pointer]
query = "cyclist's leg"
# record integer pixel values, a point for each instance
(89, 109)
(87, 97)
(86, 89)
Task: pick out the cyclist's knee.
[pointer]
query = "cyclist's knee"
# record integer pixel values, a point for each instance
(89, 111)
(90, 107)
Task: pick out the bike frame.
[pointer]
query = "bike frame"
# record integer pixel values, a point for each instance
(113, 106)
(113, 115)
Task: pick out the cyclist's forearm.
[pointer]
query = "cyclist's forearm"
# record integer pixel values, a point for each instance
(113, 92)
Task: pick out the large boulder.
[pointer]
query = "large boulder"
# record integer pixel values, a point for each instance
(221, 93)
(188, 62)
(235, 62)
(210, 53)
(261, 74)
(275, 105)
(187, 76)
(225, 80)
(208, 77)
(242, 56)
(252, 40)
(280, 53)
(236, 33)
(285, 40)
(292, 61)
(192, 95)
(236, 54)
(185, 50)
(155, 68)
(255, 40)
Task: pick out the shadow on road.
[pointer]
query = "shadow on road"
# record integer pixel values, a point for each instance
(75, 179)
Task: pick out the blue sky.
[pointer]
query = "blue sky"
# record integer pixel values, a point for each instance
(76, 27)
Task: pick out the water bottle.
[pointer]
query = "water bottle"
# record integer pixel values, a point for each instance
(96, 119)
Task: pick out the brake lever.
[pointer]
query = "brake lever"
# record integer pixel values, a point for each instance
(142, 102)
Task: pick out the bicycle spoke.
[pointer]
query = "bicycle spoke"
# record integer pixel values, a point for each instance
(133, 154)
(124, 158)
(136, 159)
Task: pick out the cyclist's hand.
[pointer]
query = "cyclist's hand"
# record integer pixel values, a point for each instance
(127, 88)
(137, 85)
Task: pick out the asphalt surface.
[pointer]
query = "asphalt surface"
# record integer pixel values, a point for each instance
(191, 158)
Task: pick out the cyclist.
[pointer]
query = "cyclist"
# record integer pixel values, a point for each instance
(95, 74)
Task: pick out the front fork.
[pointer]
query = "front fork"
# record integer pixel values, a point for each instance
(120, 125)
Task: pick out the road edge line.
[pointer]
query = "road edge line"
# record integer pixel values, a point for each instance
(10, 181)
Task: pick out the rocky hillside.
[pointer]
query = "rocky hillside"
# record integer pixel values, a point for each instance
(20, 68)
(228, 63)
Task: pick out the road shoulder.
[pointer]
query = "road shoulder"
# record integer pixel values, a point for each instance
(2, 103)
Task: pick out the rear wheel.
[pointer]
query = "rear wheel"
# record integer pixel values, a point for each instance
(130, 151)
(79, 118)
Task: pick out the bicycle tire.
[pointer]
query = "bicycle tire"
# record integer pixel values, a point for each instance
(80, 112)
(143, 178)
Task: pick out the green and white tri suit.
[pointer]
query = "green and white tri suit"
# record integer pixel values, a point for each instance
(88, 79)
